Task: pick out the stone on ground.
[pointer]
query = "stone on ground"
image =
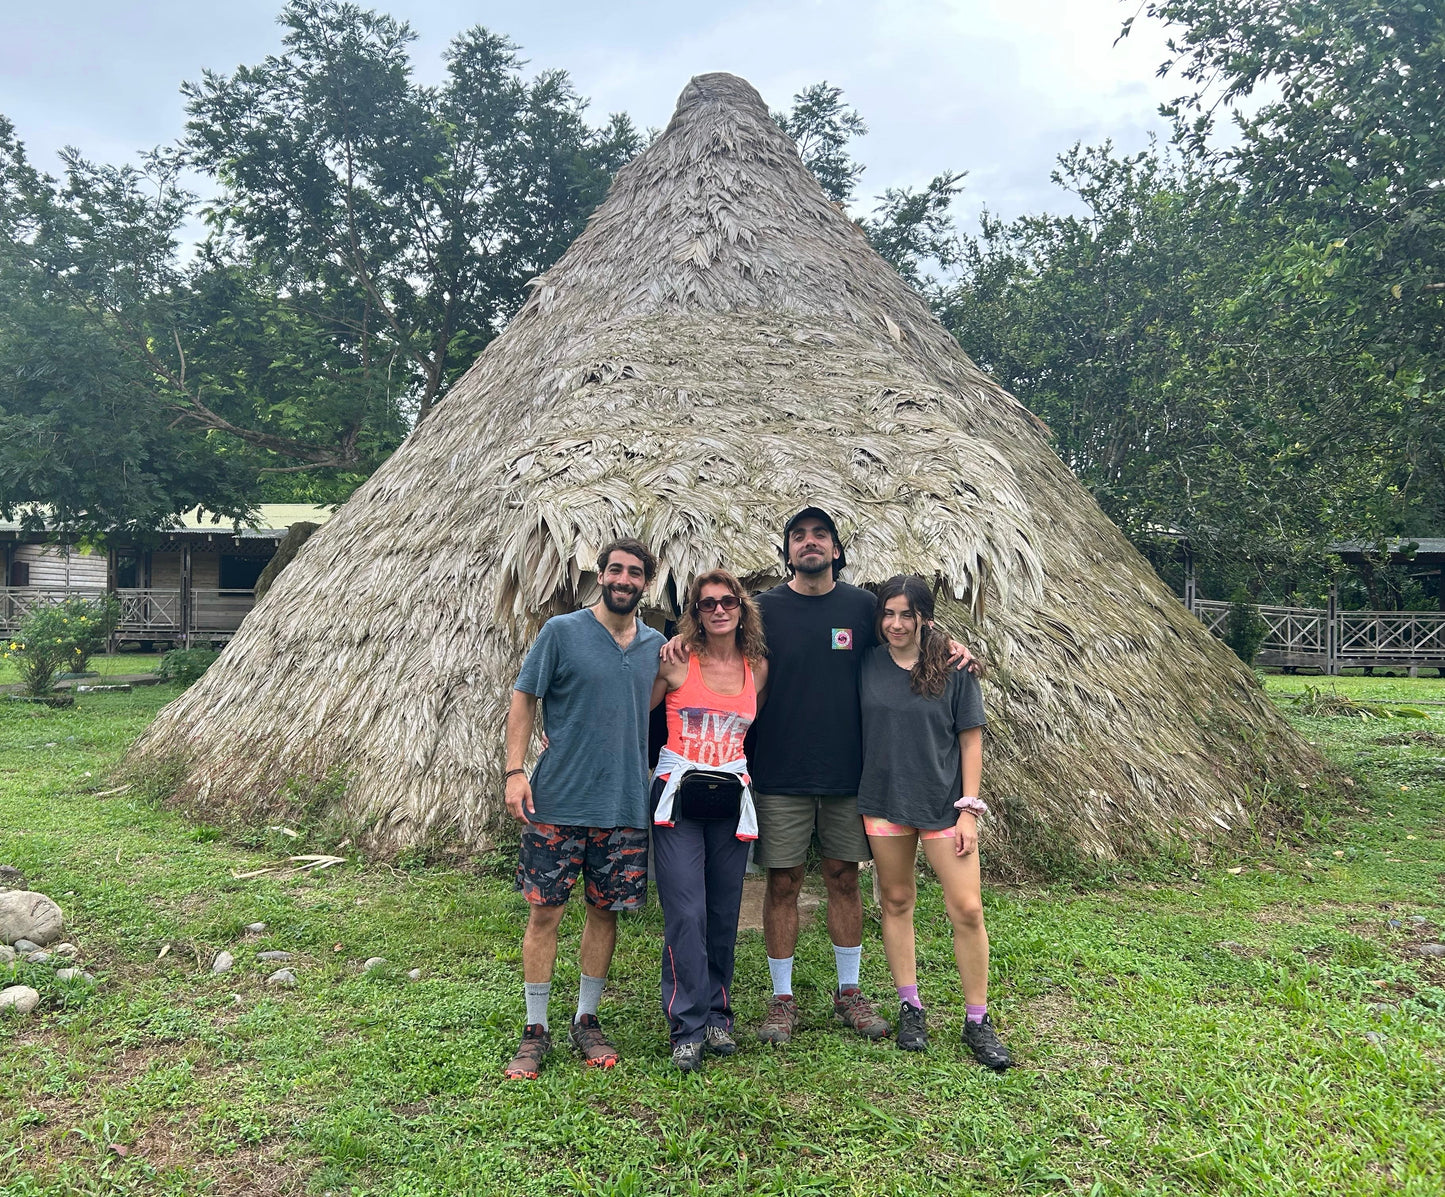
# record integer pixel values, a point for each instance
(373, 962)
(25, 914)
(415, 974)
(273, 955)
(283, 977)
(223, 962)
(19, 998)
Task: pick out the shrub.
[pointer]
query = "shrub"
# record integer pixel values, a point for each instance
(1244, 629)
(57, 636)
(185, 665)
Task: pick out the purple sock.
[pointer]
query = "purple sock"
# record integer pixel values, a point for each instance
(975, 1013)
(909, 995)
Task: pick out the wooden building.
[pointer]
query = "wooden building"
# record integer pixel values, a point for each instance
(190, 585)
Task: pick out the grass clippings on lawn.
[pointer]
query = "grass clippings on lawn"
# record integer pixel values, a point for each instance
(1265, 1025)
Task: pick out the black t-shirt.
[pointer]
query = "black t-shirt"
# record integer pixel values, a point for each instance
(808, 736)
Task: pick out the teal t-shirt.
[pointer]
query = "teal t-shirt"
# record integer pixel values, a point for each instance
(595, 702)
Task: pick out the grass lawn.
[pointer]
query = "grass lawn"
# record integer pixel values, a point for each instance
(107, 666)
(1262, 1026)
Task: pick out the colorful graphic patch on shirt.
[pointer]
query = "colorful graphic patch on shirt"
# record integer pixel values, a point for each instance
(843, 638)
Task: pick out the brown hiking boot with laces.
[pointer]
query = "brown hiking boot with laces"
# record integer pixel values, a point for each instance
(526, 1065)
(780, 1021)
(856, 1011)
(588, 1038)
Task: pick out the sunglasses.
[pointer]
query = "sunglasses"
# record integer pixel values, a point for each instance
(728, 602)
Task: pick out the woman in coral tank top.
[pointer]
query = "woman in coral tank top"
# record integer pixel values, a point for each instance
(703, 815)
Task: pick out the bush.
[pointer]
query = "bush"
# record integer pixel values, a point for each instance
(185, 665)
(60, 636)
(1244, 629)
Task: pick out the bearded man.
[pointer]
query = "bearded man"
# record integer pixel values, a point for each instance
(585, 808)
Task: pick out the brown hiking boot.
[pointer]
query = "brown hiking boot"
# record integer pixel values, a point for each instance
(780, 1021)
(526, 1065)
(854, 1010)
(587, 1037)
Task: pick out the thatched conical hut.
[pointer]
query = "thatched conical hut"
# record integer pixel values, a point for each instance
(718, 348)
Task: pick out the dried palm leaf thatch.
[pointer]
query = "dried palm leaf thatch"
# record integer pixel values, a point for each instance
(720, 347)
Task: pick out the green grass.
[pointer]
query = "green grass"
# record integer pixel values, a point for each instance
(1203, 1035)
(107, 666)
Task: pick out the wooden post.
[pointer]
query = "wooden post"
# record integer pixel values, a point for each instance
(185, 596)
(1332, 633)
(1190, 591)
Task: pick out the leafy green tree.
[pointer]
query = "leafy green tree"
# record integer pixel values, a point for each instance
(407, 219)
(1342, 159)
(1244, 628)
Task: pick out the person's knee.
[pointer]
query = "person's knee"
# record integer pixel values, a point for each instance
(897, 901)
(840, 876)
(966, 915)
(602, 916)
(785, 884)
(544, 920)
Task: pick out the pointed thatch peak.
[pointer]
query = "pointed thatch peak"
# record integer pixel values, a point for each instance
(720, 347)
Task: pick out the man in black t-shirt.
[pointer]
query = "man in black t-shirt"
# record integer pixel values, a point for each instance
(805, 763)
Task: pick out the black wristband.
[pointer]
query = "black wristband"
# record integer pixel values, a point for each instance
(510, 773)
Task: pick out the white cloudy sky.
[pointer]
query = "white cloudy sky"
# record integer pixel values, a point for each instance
(994, 87)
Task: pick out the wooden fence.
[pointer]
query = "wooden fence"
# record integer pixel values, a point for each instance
(193, 615)
(1331, 640)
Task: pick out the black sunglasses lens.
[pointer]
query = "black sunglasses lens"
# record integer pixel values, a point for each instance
(728, 602)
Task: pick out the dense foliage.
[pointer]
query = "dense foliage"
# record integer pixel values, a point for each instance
(59, 636)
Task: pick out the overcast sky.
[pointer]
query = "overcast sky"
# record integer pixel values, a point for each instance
(997, 88)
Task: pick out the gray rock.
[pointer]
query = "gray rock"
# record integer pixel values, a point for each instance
(68, 950)
(273, 955)
(415, 974)
(7, 954)
(11, 877)
(1393, 924)
(20, 998)
(1375, 1037)
(373, 962)
(25, 914)
(22, 946)
(223, 962)
(1436, 950)
(237, 1000)
(72, 974)
(255, 928)
(39, 956)
(1380, 1008)
(283, 977)
(1418, 919)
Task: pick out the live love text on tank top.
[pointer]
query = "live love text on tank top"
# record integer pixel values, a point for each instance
(705, 727)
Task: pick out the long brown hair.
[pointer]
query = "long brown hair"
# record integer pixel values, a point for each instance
(750, 620)
(929, 675)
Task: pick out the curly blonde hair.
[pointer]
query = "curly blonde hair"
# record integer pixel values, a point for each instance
(750, 618)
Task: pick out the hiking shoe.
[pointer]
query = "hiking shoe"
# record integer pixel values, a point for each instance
(854, 1010)
(526, 1065)
(687, 1057)
(587, 1037)
(780, 1021)
(912, 1029)
(718, 1041)
(982, 1040)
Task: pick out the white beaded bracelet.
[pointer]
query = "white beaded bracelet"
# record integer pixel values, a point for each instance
(972, 806)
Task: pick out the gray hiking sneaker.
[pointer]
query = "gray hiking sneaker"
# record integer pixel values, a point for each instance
(780, 1021)
(856, 1011)
(687, 1057)
(717, 1041)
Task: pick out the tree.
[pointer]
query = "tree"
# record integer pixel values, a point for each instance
(1344, 165)
(407, 218)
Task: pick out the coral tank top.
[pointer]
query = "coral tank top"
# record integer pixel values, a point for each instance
(705, 727)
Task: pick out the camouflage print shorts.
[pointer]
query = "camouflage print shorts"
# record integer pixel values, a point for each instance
(612, 860)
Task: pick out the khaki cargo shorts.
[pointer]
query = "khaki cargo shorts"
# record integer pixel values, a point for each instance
(786, 823)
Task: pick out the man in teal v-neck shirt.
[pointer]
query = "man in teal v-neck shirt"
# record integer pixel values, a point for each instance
(585, 807)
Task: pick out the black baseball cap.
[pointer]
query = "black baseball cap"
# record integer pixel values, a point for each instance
(816, 513)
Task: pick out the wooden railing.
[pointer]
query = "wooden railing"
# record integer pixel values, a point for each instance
(146, 613)
(1331, 641)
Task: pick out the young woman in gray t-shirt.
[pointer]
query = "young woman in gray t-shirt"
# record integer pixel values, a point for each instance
(922, 761)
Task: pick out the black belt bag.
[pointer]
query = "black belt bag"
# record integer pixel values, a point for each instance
(708, 794)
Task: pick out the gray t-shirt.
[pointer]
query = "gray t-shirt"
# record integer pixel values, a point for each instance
(595, 700)
(910, 744)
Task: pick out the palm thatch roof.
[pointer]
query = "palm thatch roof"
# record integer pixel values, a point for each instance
(720, 347)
